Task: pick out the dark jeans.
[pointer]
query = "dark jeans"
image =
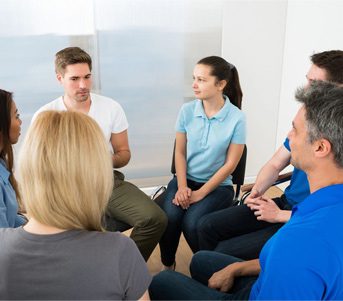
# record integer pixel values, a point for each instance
(236, 231)
(169, 285)
(186, 221)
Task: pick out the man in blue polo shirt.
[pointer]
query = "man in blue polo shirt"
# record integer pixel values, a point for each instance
(304, 259)
(242, 231)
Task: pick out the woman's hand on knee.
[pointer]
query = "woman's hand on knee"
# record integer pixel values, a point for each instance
(196, 196)
(182, 197)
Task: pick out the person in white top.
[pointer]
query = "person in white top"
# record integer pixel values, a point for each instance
(127, 203)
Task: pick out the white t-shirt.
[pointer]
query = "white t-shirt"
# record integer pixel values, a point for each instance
(108, 113)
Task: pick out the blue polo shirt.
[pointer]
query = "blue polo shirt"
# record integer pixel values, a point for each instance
(304, 259)
(208, 139)
(298, 189)
(8, 201)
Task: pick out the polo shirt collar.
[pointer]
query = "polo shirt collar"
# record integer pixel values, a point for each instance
(221, 115)
(199, 110)
(324, 197)
(4, 173)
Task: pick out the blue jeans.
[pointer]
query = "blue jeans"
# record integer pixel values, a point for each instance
(169, 285)
(186, 221)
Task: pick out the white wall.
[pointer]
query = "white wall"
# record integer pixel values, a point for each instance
(270, 43)
(253, 40)
(312, 26)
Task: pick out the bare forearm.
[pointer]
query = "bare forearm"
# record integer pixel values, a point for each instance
(121, 158)
(265, 179)
(245, 268)
(181, 170)
(232, 158)
(270, 171)
(284, 216)
(216, 179)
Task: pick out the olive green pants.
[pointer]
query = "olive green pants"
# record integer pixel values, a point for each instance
(131, 205)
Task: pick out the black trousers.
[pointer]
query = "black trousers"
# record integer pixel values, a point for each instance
(236, 231)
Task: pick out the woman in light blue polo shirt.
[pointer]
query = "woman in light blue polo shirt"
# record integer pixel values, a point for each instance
(9, 134)
(210, 138)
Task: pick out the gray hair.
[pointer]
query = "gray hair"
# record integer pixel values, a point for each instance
(323, 103)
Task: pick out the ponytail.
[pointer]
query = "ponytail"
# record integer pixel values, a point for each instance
(223, 70)
(233, 88)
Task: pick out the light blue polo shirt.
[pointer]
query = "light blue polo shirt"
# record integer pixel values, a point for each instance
(208, 139)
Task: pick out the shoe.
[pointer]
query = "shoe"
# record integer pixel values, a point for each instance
(169, 268)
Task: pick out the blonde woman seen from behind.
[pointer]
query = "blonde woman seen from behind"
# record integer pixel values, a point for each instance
(62, 252)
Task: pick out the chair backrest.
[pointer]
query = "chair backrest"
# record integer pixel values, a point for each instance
(172, 167)
(238, 174)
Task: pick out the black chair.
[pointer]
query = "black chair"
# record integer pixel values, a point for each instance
(237, 176)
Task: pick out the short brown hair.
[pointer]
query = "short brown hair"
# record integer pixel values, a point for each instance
(332, 62)
(70, 56)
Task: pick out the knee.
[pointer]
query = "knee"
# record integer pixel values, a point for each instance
(200, 259)
(154, 218)
(205, 225)
(189, 230)
(198, 262)
(159, 218)
(190, 225)
(160, 285)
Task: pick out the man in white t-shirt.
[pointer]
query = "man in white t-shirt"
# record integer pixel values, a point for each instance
(128, 203)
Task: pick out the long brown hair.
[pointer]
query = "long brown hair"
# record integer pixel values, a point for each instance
(6, 153)
(223, 70)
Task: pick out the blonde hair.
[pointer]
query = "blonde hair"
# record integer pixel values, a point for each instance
(65, 171)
